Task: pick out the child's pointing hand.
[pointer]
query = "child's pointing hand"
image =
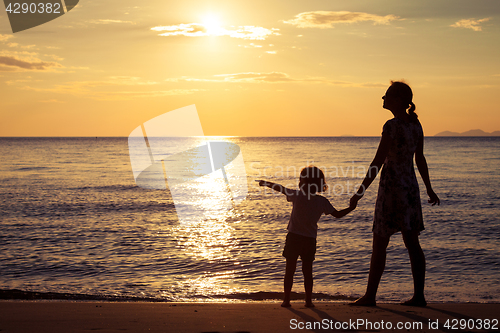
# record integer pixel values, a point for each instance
(262, 183)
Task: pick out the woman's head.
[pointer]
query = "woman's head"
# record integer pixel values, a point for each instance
(399, 95)
(313, 179)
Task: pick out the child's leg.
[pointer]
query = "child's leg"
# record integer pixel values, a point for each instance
(307, 270)
(291, 264)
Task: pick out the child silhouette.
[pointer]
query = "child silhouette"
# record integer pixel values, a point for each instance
(308, 206)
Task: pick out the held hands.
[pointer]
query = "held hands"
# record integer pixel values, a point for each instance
(354, 200)
(433, 198)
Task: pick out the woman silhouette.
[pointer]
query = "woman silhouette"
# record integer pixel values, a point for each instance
(398, 206)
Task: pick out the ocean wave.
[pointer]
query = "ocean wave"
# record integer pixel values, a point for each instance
(30, 168)
(110, 188)
(84, 209)
(16, 294)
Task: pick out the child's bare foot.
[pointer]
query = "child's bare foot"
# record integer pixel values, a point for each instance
(414, 301)
(286, 304)
(364, 301)
(309, 305)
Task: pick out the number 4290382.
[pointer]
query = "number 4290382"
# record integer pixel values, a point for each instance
(34, 8)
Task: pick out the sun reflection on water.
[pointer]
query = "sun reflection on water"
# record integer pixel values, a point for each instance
(205, 234)
(210, 237)
(203, 288)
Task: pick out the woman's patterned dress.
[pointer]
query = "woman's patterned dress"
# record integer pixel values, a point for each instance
(398, 206)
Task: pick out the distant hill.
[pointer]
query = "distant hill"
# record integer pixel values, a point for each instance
(476, 132)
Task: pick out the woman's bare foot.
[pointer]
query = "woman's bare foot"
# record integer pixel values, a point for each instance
(414, 301)
(364, 301)
(286, 304)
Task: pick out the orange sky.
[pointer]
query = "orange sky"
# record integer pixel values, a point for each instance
(252, 68)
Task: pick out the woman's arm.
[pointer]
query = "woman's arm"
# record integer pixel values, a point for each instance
(375, 166)
(424, 172)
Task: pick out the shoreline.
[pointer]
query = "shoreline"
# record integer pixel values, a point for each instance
(25, 295)
(261, 316)
(249, 297)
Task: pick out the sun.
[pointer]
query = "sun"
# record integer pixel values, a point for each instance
(212, 24)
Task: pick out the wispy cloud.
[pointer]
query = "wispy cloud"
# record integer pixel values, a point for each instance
(470, 24)
(11, 63)
(252, 45)
(328, 19)
(129, 81)
(108, 21)
(129, 95)
(112, 88)
(200, 29)
(273, 77)
(22, 46)
(4, 38)
(52, 101)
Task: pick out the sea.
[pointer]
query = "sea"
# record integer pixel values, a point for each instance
(75, 225)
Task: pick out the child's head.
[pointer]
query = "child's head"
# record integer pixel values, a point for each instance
(312, 179)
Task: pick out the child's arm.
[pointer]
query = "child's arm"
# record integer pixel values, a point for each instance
(341, 213)
(274, 186)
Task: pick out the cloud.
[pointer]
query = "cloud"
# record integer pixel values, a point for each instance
(10, 63)
(274, 77)
(129, 81)
(3, 38)
(200, 29)
(52, 101)
(327, 19)
(470, 24)
(252, 45)
(112, 88)
(128, 95)
(107, 21)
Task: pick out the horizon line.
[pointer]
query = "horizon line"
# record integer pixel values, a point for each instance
(254, 136)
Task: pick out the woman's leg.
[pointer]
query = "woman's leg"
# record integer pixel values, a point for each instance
(417, 259)
(307, 270)
(291, 264)
(377, 266)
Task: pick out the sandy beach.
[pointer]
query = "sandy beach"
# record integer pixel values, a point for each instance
(65, 316)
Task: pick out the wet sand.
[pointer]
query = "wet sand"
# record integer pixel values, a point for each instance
(67, 316)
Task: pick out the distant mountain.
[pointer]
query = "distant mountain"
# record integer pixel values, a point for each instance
(476, 132)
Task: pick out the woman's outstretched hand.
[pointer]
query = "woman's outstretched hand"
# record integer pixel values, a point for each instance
(433, 198)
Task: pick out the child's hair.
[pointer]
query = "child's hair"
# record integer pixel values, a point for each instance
(313, 178)
(403, 91)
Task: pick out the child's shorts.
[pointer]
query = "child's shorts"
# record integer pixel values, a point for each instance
(298, 245)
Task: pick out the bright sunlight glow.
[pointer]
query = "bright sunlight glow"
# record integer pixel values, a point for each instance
(212, 24)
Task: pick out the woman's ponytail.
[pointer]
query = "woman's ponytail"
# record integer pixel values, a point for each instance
(411, 112)
(404, 92)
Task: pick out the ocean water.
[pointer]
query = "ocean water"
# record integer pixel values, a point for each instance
(73, 221)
